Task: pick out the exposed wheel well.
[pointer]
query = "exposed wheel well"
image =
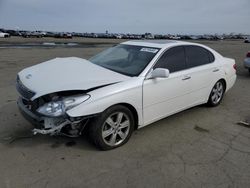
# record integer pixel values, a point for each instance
(134, 112)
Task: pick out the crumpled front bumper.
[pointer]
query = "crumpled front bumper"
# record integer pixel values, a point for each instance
(33, 118)
(42, 124)
(49, 125)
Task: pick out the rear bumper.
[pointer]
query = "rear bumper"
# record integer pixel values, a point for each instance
(231, 81)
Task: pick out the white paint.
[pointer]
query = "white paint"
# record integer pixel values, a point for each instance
(61, 74)
(3, 35)
(153, 99)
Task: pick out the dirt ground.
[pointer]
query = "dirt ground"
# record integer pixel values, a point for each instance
(200, 147)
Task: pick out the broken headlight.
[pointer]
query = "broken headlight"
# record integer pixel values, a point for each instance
(59, 107)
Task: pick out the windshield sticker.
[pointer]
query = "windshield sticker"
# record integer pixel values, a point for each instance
(151, 50)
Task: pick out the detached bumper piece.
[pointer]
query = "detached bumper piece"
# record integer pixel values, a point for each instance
(49, 125)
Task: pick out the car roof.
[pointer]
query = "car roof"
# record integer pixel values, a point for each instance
(157, 43)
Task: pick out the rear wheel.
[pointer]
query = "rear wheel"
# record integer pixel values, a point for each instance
(216, 94)
(112, 128)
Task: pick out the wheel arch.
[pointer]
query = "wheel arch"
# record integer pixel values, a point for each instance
(224, 83)
(132, 109)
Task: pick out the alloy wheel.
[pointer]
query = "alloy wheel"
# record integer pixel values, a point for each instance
(115, 129)
(217, 93)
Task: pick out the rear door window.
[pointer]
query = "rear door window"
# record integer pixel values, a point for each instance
(197, 56)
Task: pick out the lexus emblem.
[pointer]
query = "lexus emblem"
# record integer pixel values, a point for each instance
(28, 76)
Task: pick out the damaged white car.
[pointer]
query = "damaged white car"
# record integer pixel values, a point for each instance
(122, 89)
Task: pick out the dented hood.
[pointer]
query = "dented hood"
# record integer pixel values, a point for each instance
(62, 74)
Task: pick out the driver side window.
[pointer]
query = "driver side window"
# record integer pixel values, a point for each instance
(173, 60)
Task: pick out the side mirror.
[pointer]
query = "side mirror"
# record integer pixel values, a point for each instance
(159, 73)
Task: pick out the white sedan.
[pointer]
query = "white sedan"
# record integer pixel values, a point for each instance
(4, 35)
(123, 88)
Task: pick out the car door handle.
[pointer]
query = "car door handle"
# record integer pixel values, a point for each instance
(187, 77)
(216, 70)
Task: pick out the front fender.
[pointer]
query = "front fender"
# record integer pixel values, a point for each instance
(129, 92)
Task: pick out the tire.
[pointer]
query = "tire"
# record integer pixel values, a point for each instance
(249, 70)
(216, 94)
(112, 128)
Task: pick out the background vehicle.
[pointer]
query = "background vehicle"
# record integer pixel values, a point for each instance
(64, 35)
(123, 88)
(4, 35)
(247, 62)
(34, 34)
(247, 40)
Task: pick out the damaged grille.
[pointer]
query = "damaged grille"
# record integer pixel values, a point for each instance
(23, 90)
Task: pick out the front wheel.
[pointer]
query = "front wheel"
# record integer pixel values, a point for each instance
(112, 128)
(216, 94)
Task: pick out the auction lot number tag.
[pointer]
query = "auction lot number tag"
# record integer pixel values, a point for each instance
(151, 50)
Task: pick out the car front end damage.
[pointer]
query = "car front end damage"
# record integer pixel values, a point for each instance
(48, 113)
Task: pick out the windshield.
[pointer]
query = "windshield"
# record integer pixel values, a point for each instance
(125, 59)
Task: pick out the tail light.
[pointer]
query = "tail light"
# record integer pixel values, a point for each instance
(248, 54)
(235, 67)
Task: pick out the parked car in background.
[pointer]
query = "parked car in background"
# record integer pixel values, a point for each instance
(123, 88)
(4, 35)
(64, 35)
(247, 40)
(33, 34)
(175, 37)
(118, 36)
(247, 62)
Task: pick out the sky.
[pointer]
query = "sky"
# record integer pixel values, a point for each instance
(128, 16)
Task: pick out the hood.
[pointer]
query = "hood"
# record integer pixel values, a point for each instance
(62, 74)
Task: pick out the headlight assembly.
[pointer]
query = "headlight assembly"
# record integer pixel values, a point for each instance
(59, 107)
